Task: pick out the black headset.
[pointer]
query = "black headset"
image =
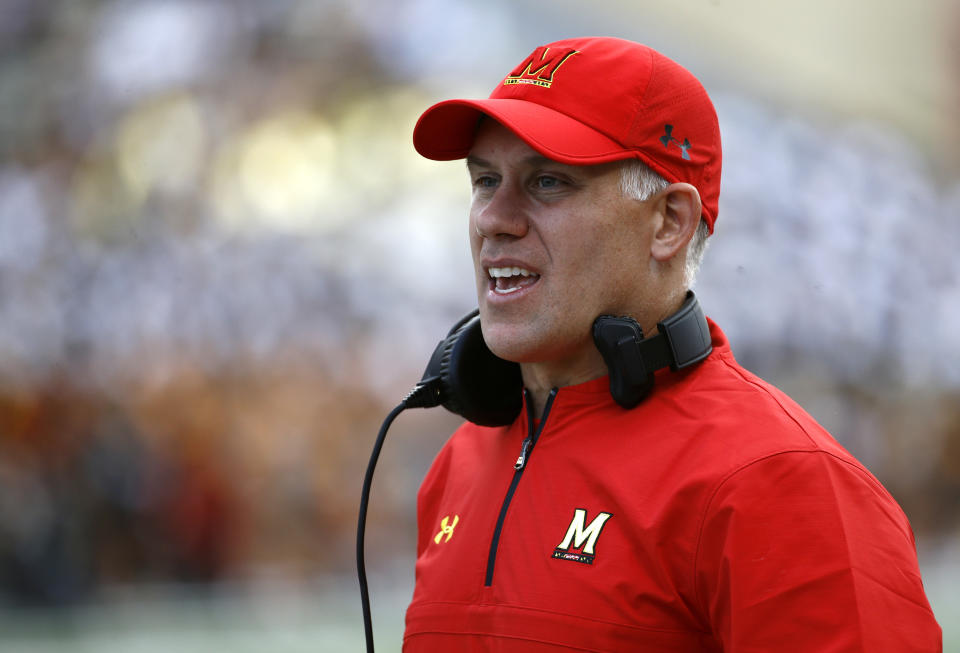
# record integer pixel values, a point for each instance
(469, 380)
(466, 378)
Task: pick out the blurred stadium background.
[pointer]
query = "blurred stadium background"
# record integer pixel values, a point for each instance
(222, 263)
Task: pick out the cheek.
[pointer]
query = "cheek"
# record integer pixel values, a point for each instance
(608, 268)
(602, 249)
(583, 287)
(473, 237)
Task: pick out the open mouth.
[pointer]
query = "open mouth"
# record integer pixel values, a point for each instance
(511, 279)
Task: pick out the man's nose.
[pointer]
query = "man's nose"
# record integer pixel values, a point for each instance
(504, 215)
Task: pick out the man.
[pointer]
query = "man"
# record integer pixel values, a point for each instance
(711, 515)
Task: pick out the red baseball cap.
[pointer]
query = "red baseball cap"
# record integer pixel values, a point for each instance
(592, 100)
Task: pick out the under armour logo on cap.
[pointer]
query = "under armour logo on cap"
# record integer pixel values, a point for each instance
(668, 138)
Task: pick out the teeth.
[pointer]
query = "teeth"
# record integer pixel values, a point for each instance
(509, 272)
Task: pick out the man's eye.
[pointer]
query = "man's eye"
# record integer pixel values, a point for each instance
(547, 181)
(485, 181)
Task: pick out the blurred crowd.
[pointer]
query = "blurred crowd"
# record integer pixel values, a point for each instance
(221, 263)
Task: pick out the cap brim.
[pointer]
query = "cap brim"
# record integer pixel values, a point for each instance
(446, 131)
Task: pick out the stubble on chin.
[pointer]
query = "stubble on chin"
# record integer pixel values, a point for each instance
(528, 341)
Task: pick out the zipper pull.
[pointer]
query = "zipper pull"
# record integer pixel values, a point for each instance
(524, 451)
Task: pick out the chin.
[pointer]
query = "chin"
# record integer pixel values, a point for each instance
(526, 344)
(518, 345)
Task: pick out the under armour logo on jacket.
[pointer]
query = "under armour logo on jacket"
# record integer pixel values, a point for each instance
(446, 529)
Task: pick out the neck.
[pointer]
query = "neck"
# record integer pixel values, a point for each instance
(539, 378)
(539, 383)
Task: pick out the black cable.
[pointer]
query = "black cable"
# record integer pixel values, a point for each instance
(425, 395)
(362, 525)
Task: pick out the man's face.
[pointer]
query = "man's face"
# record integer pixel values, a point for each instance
(553, 246)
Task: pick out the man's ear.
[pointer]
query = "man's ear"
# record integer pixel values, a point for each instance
(680, 214)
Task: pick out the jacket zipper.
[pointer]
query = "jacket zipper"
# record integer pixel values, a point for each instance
(526, 448)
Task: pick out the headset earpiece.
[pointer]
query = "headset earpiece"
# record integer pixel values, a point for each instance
(475, 383)
(682, 339)
(618, 339)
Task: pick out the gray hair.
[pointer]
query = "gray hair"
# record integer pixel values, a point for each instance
(638, 181)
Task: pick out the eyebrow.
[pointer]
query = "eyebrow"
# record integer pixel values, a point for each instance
(532, 160)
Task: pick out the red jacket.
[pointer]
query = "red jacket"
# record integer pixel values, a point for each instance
(715, 516)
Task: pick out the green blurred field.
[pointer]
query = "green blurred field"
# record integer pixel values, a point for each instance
(187, 621)
(282, 619)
